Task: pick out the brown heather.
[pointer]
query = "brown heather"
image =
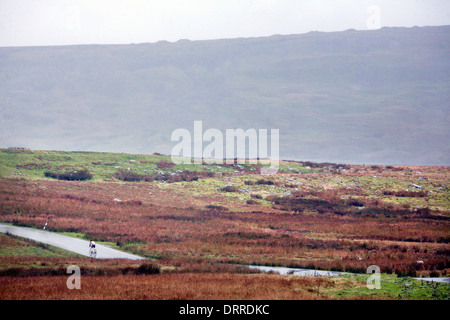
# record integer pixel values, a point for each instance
(185, 286)
(324, 231)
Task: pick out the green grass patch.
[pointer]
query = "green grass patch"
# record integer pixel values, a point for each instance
(391, 287)
(12, 246)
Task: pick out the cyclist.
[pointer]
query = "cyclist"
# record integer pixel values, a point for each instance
(92, 250)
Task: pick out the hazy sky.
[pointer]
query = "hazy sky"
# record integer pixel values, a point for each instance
(62, 22)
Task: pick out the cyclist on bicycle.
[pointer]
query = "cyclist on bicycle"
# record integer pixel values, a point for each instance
(92, 250)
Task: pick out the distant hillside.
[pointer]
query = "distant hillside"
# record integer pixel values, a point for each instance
(374, 97)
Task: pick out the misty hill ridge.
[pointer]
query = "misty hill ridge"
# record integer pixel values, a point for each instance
(375, 97)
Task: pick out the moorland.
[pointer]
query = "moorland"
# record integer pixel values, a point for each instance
(197, 224)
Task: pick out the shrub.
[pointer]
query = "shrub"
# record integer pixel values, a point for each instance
(165, 164)
(406, 272)
(147, 268)
(230, 189)
(129, 176)
(262, 181)
(435, 273)
(404, 193)
(216, 207)
(355, 203)
(75, 175)
(423, 211)
(301, 204)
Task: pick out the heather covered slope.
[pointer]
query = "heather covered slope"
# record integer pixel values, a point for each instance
(198, 223)
(374, 97)
(320, 217)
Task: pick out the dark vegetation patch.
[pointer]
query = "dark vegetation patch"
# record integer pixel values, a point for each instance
(246, 235)
(33, 166)
(230, 189)
(165, 164)
(216, 207)
(404, 193)
(178, 218)
(76, 175)
(322, 165)
(132, 202)
(145, 268)
(130, 176)
(295, 204)
(265, 182)
(358, 207)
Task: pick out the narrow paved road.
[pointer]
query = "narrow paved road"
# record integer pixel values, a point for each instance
(309, 272)
(67, 243)
(298, 271)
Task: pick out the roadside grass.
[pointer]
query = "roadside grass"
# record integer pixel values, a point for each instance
(18, 246)
(24, 257)
(391, 287)
(11, 245)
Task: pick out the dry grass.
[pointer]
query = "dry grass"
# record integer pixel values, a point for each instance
(168, 286)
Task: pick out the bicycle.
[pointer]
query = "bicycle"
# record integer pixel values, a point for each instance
(92, 252)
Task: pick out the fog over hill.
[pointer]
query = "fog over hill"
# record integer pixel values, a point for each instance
(374, 97)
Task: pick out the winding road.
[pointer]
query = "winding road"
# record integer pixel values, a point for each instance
(68, 243)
